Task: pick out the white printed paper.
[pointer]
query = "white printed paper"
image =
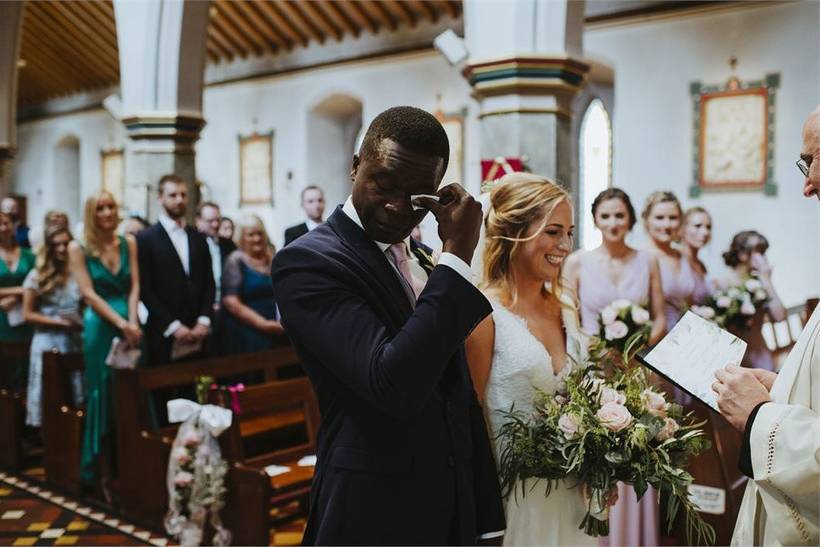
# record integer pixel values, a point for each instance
(307, 461)
(15, 316)
(708, 499)
(691, 354)
(273, 470)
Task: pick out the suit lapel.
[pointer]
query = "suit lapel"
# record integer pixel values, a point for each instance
(163, 235)
(371, 258)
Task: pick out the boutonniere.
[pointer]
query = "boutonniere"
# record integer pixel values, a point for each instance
(426, 256)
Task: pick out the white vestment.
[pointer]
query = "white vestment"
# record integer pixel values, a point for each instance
(781, 505)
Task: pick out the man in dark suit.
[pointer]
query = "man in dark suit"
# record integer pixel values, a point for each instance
(176, 278)
(208, 217)
(403, 455)
(313, 204)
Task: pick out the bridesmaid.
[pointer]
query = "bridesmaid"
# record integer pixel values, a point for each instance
(250, 322)
(51, 302)
(695, 235)
(615, 270)
(107, 274)
(746, 259)
(662, 220)
(15, 264)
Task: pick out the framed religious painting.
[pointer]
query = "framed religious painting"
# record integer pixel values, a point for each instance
(454, 127)
(113, 173)
(256, 169)
(734, 136)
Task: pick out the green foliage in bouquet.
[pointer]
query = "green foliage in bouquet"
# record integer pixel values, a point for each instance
(598, 431)
(735, 306)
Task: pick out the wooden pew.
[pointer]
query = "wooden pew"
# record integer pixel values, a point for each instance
(12, 405)
(62, 421)
(255, 500)
(143, 450)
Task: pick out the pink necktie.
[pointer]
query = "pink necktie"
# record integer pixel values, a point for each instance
(399, 252)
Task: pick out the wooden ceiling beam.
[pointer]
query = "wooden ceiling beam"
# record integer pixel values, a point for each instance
(54, 67)
(401, 10)
(70, 43)
(453, 8)
(270, 27)
(321, 19)
(428, 9)
(297, 18)
(219, 42)
(340, 17)
(82, 11)
(48, 82)
(233, 11)
(356, 12)
(378, 11)
(242, 45)
(277, 21)
(213, 53)
(91, 37)
(97, 10)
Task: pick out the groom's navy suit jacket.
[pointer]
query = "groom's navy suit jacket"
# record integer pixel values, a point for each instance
(403, 452)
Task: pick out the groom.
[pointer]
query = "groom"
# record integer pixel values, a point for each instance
(403, 454)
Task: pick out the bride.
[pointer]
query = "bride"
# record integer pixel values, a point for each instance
(531, 339)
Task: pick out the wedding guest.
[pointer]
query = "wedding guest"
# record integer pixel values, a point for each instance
(226, 228)
(250, 322)
(207, 222)
(746, 259)
(313, 204)
(15, 264)
(614, 270)
(11, 207)
(51, 302)
(695, 235)
(52, 218)
(662, 216)
(108, 277)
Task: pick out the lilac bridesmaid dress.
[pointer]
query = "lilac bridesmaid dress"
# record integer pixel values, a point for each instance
(631, 522)
(679, 289)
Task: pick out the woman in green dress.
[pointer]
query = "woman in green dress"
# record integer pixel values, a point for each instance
(106, 272)
(15, 264)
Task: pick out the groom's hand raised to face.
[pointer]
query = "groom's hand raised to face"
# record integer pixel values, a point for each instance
(459, 220)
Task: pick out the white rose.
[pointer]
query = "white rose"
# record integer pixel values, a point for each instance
(609, 395)
(670, 426)
(614, 417)
(761, 295)
(183, 478)
(723, 301)
(616, 330)
(570, 425)
(753, 284)
(621, 304)
(654, 402)
(734, 292)
(704, 311)
(747, 308)
(639, 315)
(608, 315)
(181, 455)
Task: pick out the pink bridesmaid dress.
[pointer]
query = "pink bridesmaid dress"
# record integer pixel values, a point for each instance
(679, 289)
(631, 522)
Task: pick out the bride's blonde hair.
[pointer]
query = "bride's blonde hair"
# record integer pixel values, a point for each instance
(517, 201)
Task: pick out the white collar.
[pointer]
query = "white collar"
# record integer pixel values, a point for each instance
(311, 224)
(170, 224)
(350, 211)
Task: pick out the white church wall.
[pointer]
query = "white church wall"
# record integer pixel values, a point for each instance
(654, 65)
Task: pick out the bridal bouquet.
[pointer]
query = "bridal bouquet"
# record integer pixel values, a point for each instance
(596, 431)
(624, 327)
(734, 306)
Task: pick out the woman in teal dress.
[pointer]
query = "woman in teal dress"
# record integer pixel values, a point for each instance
(15, 264)
(107, 274)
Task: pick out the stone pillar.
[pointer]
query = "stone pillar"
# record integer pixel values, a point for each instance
(162, 62)
(11, 30)
(525, 69)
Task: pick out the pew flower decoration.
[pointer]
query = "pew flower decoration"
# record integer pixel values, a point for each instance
(734, 306)
(597, 431)
(624, 327)
(196, 473)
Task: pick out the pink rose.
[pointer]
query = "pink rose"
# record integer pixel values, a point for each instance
(747, 308)
(639, 315)
(570, 425)
(616, 330)
(614, 417)
(670, 426)
(609, 395)
(191, 439)
(183, 478)
(181, 455)
(654, 402)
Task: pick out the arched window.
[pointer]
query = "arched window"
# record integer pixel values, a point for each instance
(596, 166)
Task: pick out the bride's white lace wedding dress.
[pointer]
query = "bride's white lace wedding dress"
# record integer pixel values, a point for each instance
(521, 364)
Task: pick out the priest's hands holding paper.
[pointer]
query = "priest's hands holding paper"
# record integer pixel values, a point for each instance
(740, 390)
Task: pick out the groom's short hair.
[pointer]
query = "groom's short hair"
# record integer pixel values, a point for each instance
(410, 127)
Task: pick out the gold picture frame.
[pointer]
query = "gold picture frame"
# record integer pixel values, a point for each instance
(256, 169)
(112, 165)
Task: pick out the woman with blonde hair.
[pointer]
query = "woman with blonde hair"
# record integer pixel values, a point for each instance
(696, 233)
(531, 340)
(51, 302)
(250, 322)
(107, 273)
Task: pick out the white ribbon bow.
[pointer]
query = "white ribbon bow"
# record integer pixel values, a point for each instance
(214, 418)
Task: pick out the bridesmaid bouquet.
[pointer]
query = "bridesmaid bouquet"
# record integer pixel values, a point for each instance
(734, 306)
(623, 326)
(596, 431)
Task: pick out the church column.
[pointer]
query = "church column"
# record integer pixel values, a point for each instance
(525, 68)
(11, 30)
(162, 62)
